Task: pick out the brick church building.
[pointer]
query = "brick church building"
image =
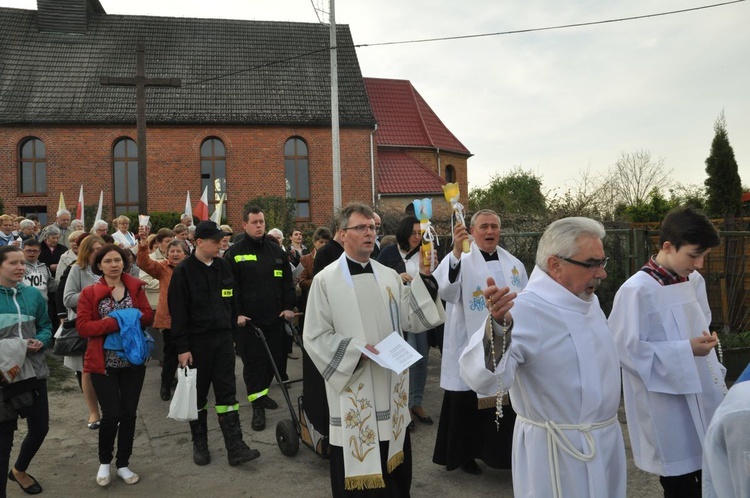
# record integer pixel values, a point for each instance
(251, 117)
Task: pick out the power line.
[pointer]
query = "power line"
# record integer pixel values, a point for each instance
(458, 37)
(549, 28)
(480, 35)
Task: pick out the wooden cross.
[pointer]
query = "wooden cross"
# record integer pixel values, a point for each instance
(140, 82)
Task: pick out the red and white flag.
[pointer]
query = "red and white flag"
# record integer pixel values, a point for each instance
(201, 210)
(99, 209)
(188, 205)
(79, 207)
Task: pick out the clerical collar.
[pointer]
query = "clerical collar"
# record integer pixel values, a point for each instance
(357, 268)
(489, 257)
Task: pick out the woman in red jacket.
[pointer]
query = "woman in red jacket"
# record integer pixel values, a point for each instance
(116, 381)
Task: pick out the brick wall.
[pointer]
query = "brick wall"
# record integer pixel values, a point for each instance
(254, 155)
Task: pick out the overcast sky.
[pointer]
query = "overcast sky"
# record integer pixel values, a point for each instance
(554, 102)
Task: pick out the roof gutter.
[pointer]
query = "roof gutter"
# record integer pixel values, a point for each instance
(372, 163)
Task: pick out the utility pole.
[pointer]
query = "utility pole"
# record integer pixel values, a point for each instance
(335, 114)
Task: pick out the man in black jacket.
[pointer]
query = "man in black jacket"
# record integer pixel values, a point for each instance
(204, 318)
(266, 297)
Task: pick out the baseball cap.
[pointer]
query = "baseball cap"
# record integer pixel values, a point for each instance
(209, 230)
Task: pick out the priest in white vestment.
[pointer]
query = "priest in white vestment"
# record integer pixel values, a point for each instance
(467, 429)
(357, 302)
(726, 449)
(671, 377)
(559, 361)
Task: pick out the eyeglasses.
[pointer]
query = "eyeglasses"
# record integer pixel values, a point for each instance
(363, 229)
(590, 265)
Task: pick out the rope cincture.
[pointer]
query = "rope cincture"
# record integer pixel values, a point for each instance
(556, 440)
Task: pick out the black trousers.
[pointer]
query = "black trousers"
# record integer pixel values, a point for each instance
(257, 371)
(213, 356)
(684, 486)
(118, 392)
(38, 425)
(169, 363)
(397, 483)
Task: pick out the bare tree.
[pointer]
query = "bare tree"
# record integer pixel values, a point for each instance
(635, 174)
(588, 195)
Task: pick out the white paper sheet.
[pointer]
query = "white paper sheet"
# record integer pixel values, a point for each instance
(395, 353)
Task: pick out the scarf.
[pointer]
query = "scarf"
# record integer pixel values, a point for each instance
(359, 420)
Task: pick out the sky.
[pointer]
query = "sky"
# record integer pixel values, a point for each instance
(557, 102)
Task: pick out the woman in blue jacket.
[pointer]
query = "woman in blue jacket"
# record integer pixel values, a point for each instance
(23, 314)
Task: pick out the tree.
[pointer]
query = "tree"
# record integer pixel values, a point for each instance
(277, 211)
(518, 192)
(723, 185)
(635, 175)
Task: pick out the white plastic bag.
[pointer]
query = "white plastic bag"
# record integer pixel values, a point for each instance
(184, 406)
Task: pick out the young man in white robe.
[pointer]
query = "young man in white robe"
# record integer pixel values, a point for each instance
(558, 359)
(355, 303)
(467, 429)
(726, 449)
(672, 379)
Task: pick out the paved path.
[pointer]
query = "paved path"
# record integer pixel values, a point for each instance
(67, 462)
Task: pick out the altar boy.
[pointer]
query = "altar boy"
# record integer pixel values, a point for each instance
(672, 379)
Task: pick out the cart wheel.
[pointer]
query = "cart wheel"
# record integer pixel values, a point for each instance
(287, 438)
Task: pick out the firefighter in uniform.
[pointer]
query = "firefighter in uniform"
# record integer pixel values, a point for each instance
(204, 320)
(265, 296)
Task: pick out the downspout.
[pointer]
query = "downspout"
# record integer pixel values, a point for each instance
(372, 164)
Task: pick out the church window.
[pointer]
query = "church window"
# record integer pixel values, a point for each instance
(33, 167)
(297, 173)
(450, 174)
(125, 176)
(214, 172)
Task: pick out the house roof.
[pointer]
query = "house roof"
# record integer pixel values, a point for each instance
(400, 174)
(48, 77)
(405, 119)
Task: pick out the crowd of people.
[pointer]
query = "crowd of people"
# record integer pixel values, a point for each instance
(531, 368)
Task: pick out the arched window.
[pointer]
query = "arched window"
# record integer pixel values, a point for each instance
(33, 167)
(125, 176)
(296, 170)
(450, 174)
(214, 172)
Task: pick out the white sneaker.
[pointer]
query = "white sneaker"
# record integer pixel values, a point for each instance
(103, 479)
(128, 475)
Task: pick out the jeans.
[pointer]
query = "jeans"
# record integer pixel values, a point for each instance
(118, 391)
(38, 426)
(169, 362)
(418, 371)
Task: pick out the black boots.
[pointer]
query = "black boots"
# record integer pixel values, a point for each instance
(237, 451)
(199, 428)
(165, 392)
(259, 416)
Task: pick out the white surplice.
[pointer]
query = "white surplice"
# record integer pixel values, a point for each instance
(338, 319)
(465, 307)
(726, 455)
(670, 395)
(562, 370)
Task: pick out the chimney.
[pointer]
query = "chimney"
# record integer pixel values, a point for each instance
(66, 16)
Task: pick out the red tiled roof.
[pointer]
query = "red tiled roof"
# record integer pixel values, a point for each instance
(405, 119)
(746, 197)
(401, 174)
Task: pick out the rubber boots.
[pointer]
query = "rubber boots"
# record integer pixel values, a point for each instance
(259, 416)
(237, 451)
(199, 429)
